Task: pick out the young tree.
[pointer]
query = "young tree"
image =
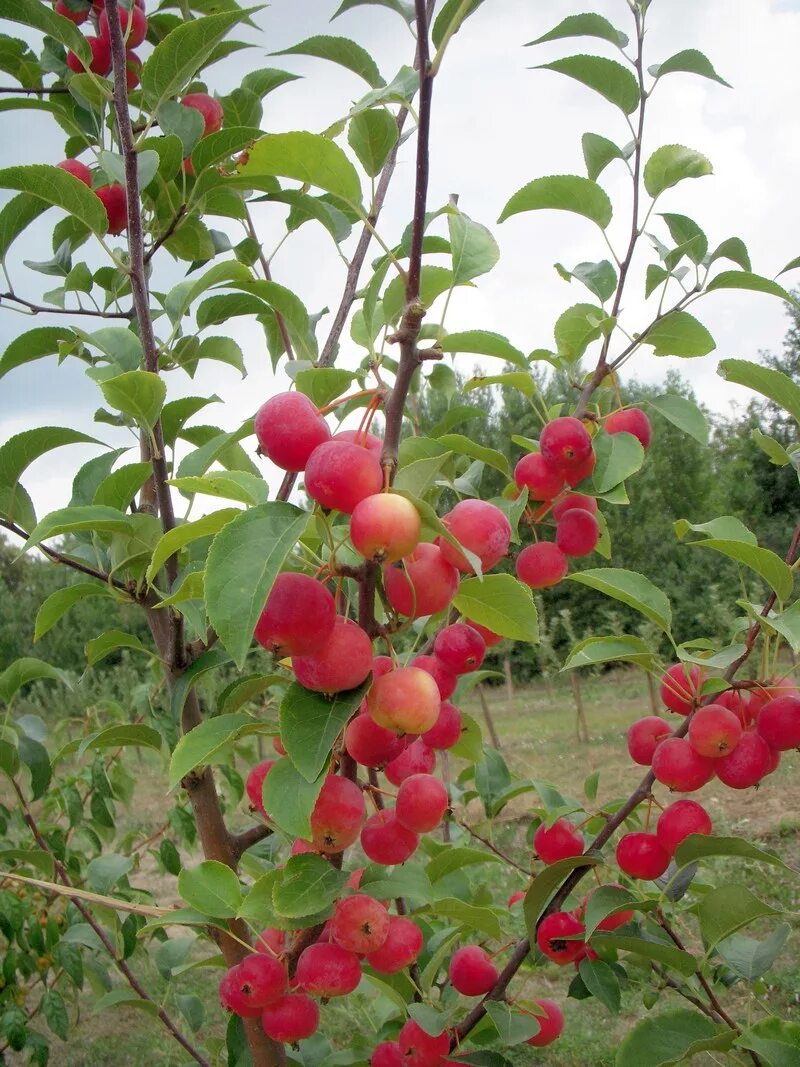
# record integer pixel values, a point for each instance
(324, 588)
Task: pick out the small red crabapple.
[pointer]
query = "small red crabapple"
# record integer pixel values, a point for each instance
(632, 421)
(360, 924)
(749, 762)
(551, 1023)
(406, 700)
(680, 819)
(574, 500)
(542, 481)
(424, 585)
(385, 527)
(301, 847)
(133, 34)
(363, 440)
(552, 934)
(426, 1050)
(740, 703)
(288, 428)
(617, 918)
(344, 662)
(577, 532)
(480, 527)
(516, 897)
(581, 472)
(644, 736)
(78, 16)
(446, 731)
(387, 1054)
(133, 70)
(115, 201)
(209, 108)
(714, 731)
(417, 758)
(641, 855)
(298, 617)
(100, 59)
(421, 803)
(369, 744)
(271, 941)
(565, 443)
(386, 841)
(680, 687)
(254, 786)
(779, 723)
(293, 1018)
(77, 170)
(328, 971)
(541, 565)
(403, 944)
(472, 972)
(490, 638)
(677, 766)
(338, 814)
(557, 842)
(460, 648)
(339, 475)
(446, 681)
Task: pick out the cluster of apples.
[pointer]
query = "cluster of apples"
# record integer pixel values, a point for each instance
(133, 23)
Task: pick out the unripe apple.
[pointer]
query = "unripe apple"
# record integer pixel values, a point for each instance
(385, 527)
(406, 700)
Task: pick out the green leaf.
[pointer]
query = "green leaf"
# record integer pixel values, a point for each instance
(307, 157)
(619, 455)
(243, 562)
(483, 343)
(123, 735)
(183, 51)
(520, 380)
(670, 1038)
(120, 487)
(34, 755)
(59, 189)
(742, 279)
(98, 519)
(752, 959)
(733, 249)
(473, 248)
(289, 799)
(290, 307)
(683, 231)
(575, 330)
(19, 451)
(775, 1040)
(649, 949)
(55, 1012)
(176, 539)
(25, 670)
(606, 76)
(212, 888)
(728, 908)
(210, 660)
(103, 872)
(339, 50)
(455, 858)
(604, 901)
(689, 61)
(34, 344)
(222, 144)
(59, 603)
(599, 278)
(465, 446)
(16, 216)
(450, 19)
(99, 647)
(632, 589)
(474, 918)
(402, 7)
(310, 723)
(770, 447)
(372, 135)
(323, 384)
(583, 25)
(139, 393)
(205, 744)
(241, 486)
(684, 414)
(728, 527)
(773, 384)
(263, 82)
(602, 983)
(598, 152)
(546, 883)
(501, 603)
(433, 282)
(679, 334)
(787, 624)
(566, 192)
(595, 650)
(309, 884)
(470, 745)
(764, 562)
(670, 164)
(702, 846)
(513, 1027)
(34, 15)
(416, 478)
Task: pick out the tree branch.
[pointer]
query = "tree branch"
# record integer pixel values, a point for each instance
(19, 91)
(247, 838)
(165, 236)
(44, 309)
(73, 564)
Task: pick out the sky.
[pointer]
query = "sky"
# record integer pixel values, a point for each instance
(497, 124)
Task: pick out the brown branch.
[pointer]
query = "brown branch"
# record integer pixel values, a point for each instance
(44, 309)
(18, 90)
(67, 561)
(165, 236)
(120, 963)
(247, 838)
(492, 847)
(670, 983)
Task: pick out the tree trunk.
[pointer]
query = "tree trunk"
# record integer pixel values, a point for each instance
(489, 721)
(581, 727)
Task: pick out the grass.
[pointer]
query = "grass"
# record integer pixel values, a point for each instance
(536, 728)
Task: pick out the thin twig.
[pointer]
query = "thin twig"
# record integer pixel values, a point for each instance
(247, 838)
(492, 847)
(73, 564)
(17, 90)
(44, 309)
(165, 236)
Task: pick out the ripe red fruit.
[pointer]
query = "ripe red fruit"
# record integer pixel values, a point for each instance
(630, 420)
(328, 971)
(446, 681)
(480, 527)
(642, 855)
(714, 731)
(385, 527)
(425, 584)
(78, 15)
(77, 170)
(209, 108)
(749, 762)
(369, 744)
(516, 897)
(644, 736)
(572, 501)
(680, 687)
(251, 985)
(363, 440)
(678, 766)
(550, 937)
(343, 663)
(446, 731)
(766, 691)
(233, 999)
(583, 470)
(133, 71)
(300, 847)
(779, 723)
(294, 1018)
(289, 428)
(558, 841)
(490, 638)
(472, 972)
(338, 814)
(134, 33)
(115, 201)
(271, 941)
(100, 62)
(340, 475)
(617, 919)
(417, 758)
(254, 786)
(386, 841)
(360, 924)
(403, 944)
(420, 1049)
(740, 703)
(551, 1023)
(535, 474)
(577, 533)
(406, 700)
(460, 648)
(278, 745)
(680, 819)
(565, 443)
(298, 618)
(541, 565)
(421, 803)
(387, 1054)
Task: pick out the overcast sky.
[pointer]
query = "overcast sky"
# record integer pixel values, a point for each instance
(496, 125)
